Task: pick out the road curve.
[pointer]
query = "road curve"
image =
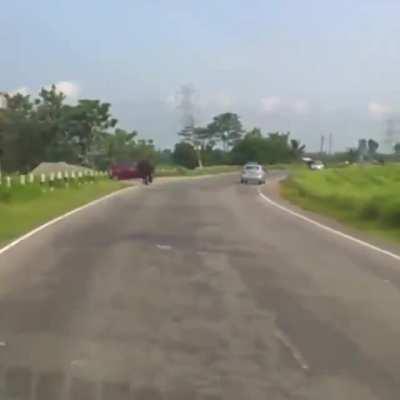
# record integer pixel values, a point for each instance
(196, 290)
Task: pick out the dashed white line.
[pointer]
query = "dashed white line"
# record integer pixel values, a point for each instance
(164, 247)
(298, 357)
(329, 229)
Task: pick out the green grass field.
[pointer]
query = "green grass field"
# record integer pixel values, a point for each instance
(367, 197)
(25, 207)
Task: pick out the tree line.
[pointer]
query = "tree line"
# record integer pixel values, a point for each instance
(47, 128)
(224, 141)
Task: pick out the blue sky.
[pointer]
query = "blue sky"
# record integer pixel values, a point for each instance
(310, 66)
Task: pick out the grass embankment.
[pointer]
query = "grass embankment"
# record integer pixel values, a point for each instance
(367, 197)
(22, 208)
(181, 171)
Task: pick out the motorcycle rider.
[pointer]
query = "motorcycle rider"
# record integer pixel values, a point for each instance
(146, 171)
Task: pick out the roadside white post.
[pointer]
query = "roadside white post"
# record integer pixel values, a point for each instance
(8, 182)
(43, 182)
(22, 180)
(31, 178)
(52, 181)
(66, 178)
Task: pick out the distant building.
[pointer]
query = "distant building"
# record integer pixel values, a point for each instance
(392, 132)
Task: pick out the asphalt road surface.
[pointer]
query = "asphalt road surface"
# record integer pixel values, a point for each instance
(196, 290)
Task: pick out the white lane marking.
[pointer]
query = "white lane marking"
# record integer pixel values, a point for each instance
(328, 229)
(292, 349)
(165, 247)
(60, 218)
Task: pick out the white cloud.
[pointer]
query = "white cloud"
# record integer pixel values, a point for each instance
(272, 104)
(276, 105)
(172, 101)
(378, 110)
(21, 90)
(301, 107)
(71, 90)
(223, 100)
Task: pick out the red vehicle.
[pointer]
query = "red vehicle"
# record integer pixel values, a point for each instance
(124, 171)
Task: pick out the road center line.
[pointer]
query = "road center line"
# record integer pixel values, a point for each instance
(295, 353)
(328, 229)
(164, 247)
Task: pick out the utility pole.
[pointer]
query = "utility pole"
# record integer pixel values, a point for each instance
(330, 144)
(322, 145)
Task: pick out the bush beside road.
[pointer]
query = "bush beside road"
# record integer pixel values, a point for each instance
(367, 197)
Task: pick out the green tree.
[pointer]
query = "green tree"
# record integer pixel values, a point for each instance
(86, 122)
(184, 154)
(19, 103)
(23, 144)
(227, 129)
(119, 145)
(145, 150)
(122, 146)
(199, 138)
(265, 150)
(252, 148)
(47, 129)
(372, 147)
(396, 149)
(165, 157)
(352, 155)
(255, 132)
(50, 112)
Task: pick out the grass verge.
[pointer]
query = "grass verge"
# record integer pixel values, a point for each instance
(29, 207)
(366, 197)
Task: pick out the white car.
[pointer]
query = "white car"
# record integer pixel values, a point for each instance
(253, 172)
(317, 165)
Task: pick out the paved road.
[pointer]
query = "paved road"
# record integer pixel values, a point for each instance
(196, 290)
